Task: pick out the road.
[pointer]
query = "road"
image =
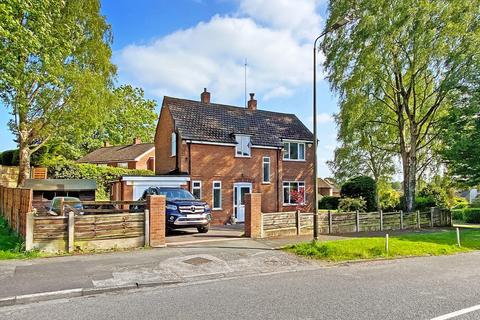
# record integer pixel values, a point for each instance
(415, 288)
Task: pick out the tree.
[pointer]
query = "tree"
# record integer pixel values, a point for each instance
(129, 116)
(54, 67)
(461, 137)
(403, 63)
(361, 186)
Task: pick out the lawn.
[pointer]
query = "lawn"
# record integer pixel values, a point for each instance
(412, 244)
(11, 245)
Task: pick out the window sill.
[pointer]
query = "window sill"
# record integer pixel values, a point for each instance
(266, 183)
(217, 209)
(293, 160)
(247, 157)
(293, 204)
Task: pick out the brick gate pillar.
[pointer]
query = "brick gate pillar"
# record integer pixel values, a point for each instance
(156, 207)
(253, 215)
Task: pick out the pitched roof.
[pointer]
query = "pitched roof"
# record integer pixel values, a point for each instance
(323, 183)
(117, 153)
(219, 123)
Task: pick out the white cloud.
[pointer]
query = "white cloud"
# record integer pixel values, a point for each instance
(211, 54)
(298, 17)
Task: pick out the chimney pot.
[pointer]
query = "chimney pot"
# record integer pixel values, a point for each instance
(252, 103)
(205, 96)
(137, 141)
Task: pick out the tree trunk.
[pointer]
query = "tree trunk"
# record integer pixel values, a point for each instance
(24, 162)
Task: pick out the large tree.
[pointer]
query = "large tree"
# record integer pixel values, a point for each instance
(404, 60)
(54, 67)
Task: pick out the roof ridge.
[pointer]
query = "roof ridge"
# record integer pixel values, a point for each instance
(227, 105)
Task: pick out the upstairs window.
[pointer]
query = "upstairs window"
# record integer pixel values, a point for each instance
(266, 169)
(242, 149)
(294, 151)
(174, 144)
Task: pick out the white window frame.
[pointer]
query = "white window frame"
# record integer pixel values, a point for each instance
(244, 145)
(197, 188)
(289, 187)
(287, 145)
(213, 194)
(102, 165)
(174, 144)
(123, 165)
(266, 161)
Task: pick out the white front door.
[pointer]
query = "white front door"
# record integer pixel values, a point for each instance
(239, 191)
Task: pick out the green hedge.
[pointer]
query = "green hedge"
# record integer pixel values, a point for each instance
(328, 203)
(102, 175)
(364, 187)
(469, 215)
(9, 158)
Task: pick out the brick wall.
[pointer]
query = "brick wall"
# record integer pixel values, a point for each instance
(156, 206)
(164, 162)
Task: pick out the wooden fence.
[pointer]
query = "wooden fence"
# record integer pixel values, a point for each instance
(15, 203)
(102, 225)
(297, 223)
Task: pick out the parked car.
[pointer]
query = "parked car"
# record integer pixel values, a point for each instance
(182, 209)
(70, 204)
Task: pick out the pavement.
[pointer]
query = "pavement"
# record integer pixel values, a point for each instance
(440, 288)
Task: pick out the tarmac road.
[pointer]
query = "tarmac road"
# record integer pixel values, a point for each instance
(415, 288)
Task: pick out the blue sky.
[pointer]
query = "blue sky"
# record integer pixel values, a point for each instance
(179, 47)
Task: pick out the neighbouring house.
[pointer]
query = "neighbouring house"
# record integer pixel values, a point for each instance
(45, 190)
(326, 187)
(137, 155)
(471, 195)
(228, 151)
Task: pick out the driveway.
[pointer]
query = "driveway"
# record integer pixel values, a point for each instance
(216, 233)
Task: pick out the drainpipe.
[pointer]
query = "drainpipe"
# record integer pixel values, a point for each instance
(278, 181)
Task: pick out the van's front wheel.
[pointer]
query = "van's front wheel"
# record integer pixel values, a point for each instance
(203, 229)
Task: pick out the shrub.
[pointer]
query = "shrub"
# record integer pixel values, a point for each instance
(102, 175)
(9, 158)
(460, 203)
(457, 214)
(435, 193)
(472, 215)
(475, 203)
(423, 203)
(388, 197)
(352, 204)
(361, 186)
(328, 203)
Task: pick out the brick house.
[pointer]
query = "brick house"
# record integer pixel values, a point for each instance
(137, 155)
(229, 151)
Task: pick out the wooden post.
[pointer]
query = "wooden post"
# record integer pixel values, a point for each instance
(418, 219)
(386, 243)
(62, 206)
(297, 221)
(381, 220)
(431, 217)
(71, 231)
(357, 221)
(147, 227)
(330, 222)
(401, 219)
(17, 218)
(458, 237)
(29, 225)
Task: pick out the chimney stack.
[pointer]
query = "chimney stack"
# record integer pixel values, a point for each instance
(137, 141)
(252, 103)
(205, 96)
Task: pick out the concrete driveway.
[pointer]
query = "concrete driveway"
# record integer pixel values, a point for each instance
(216, 233)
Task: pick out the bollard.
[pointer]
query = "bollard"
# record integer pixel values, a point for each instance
(386, 243)
(458, 237)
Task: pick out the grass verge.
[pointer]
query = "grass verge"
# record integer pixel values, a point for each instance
(12, 245)
(412, 244)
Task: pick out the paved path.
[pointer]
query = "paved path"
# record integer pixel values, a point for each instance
(416, 288)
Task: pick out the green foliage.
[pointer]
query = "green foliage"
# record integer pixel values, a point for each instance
(471, 215)
(352, 204)
(399, 70)
(424, 203)
(102, 175)
(388, 197)
(460, 203)
(9, 158)
(364, 187)
(435, 194)
(12, 245)
(457, 214)
(328, 203)
(475, 203)
(129, 116)
(55, 68)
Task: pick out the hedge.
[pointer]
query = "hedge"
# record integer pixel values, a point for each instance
(364, 187)
(102, 175)
(469, 215)
(328, 203)
(9, 158)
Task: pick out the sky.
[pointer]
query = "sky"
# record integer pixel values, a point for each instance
(177, 48)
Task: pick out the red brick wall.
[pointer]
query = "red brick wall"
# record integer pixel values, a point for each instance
(253, 215)
(164, 162)
(156, 206)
